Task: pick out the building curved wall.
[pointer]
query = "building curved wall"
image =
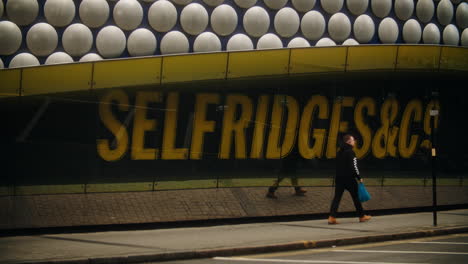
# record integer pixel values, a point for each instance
(62, 31)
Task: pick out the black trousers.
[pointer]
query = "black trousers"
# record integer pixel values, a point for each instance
(352, 188)
(281, 177)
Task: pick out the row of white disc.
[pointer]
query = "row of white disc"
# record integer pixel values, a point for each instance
(94, 13)
(162, 15)
(111, 41)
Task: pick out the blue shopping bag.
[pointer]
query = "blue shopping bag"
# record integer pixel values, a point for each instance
(363, 194)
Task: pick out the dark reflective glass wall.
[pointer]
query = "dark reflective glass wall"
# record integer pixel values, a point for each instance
(256, 132)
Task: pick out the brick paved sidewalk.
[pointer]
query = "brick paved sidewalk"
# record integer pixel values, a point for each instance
(63, 210)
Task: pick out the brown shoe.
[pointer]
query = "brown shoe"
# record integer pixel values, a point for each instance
(271, 195)
(300, 192)
(364, 218)
(332, 220)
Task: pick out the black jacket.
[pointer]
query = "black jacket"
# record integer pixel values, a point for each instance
(346, 165)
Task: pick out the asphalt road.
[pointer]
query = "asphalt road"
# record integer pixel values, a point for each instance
(451, 249)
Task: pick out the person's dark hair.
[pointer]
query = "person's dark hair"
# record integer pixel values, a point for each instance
(346, 137)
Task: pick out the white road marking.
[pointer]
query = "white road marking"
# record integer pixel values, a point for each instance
(403, 252)
(304, 261)
(443, 243)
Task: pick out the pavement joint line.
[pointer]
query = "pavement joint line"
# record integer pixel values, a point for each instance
(441, 243)
(226, 252)
(305, 261)
(401, 252)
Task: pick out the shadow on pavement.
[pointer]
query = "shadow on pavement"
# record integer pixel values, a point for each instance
(331, 228)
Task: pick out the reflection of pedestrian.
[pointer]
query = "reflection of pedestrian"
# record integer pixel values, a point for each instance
(346, 174)
(288, 169)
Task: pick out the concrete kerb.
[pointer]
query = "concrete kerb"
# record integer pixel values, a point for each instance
(298, 245)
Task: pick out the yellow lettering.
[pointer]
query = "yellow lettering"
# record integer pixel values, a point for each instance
(336, 125)
(412, 110)
(368, 104)
(274, 150)
(169, 151)
(385, 137)
(316, 103)
(260, 125)
(201, 125)
(142, 124)
(432, 105)
(236, 127)
(105, 149)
